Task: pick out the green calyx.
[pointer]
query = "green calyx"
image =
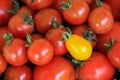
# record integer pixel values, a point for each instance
(66, 5)
(89, 35)
(55, 23)
(109, 45)
(98, 3)
(15, 7)
(27, 19)
(29, 40)
(67, 35)
(8, 38)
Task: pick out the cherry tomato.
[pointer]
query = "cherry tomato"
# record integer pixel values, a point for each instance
(89, 2)
(78, 47)
(115, 5)
(40, 52)
(3, 63)
(36, 36)
(97, 67)
(100, 20)
(54, 35)
(85, 32)
(15, 53)
(76, 12)
(21, 24)
(56, 4)
(105, 38)
(114, 55)
(4, 15)
(57, 69)
(43, 19)
(18, 73)
(104, 5)
(38, 4)
(24, 10)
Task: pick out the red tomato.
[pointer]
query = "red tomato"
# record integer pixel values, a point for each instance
(77, 13)
(58, 69)
(36, 36)
(97, 67)
(4, 15)
(79, 29)
(24, 10)
(89, 2)
(38, 4)
(104, 5)
(44, 19)
(56, 4)
(115, 5)
(3, 64)
(2, 41)
(100, 20)
(114, 55)
(18, 73)
(83, 31)
(54, 35)
(105, 38)
(40, 52)
(21, 24)
(16, 52)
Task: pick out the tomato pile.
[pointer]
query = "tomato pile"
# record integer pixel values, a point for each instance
(59, 39)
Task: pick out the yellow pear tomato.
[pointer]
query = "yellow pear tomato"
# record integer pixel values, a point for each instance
(78, 47)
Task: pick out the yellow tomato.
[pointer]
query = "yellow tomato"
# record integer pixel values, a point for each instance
(78, 47)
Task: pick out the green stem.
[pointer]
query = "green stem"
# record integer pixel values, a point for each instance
(55, 23)
(109, 45)
(29, 40)
(8, 38)
(98, 3)
(89, 35)
(67, 35)
(27, 19)
(66, 5)
(15, 7)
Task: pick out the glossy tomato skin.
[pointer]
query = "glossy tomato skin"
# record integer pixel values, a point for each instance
(18, 28)
(78, 13)
(38, 4)
(58, 69)
(97, 67)
(89, 2)
(18, 73)
(114, 55)
(78, 47)
(104, 5)
(56, 4)
(24, 10)
(115, 5)
(40, 52)
(105, 38)
(3, 63)
(81, 29)
(36, 36)
(55, 37)
(3, 29)
(44, 18)
(15, 53)
(101, 24)
(4, 15)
